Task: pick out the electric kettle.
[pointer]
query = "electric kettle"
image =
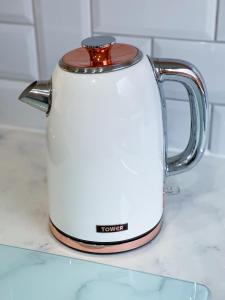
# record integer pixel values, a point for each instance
(106, 137)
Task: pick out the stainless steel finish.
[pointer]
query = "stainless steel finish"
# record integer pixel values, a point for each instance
(189, 76)
(105, 69)
(98, 42)
(38, 95)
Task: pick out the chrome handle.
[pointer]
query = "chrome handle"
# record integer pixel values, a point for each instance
(189, 76)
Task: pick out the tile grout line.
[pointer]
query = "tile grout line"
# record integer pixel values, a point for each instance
(161, 37)
(217, 20)
(210, 125)
(86, 22)
(16, 79)
(26, 81)
(186, 100)
(152, 47)
(17, 23)
(37, 40)
(91, 17)
(22, 128)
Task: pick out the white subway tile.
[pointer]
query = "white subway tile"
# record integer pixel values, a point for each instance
(18, 52)
(60, 26)
(207, 57)
(178, 124)
(13, 112)
(182, 19)
(221, 21)
(217, 143)
(144, 44)
(174, 90)
(19, 11)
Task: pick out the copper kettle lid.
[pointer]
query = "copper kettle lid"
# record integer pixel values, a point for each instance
(100, 54)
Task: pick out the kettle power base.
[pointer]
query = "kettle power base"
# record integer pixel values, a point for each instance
(108, 248)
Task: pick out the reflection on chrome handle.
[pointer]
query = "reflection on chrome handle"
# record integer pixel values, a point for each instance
(187, 75)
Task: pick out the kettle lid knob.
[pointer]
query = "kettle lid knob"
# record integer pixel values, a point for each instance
(98, 48)
(98, 42)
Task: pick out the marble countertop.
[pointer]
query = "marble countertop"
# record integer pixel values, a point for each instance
(191, 245)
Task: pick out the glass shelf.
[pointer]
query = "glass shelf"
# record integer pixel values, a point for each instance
(33, 275)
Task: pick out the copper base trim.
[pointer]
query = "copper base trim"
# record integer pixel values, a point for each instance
(105, 249)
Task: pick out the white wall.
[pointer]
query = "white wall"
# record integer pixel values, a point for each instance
(35, 34)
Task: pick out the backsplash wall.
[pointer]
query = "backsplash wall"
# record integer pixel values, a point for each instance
(35, 34)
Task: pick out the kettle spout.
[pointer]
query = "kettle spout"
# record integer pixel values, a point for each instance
(38, 95)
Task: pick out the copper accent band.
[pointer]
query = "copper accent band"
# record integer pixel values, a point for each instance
(108, 59)
(107, 248)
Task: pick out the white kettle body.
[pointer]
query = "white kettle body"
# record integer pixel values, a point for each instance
(106, 139)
